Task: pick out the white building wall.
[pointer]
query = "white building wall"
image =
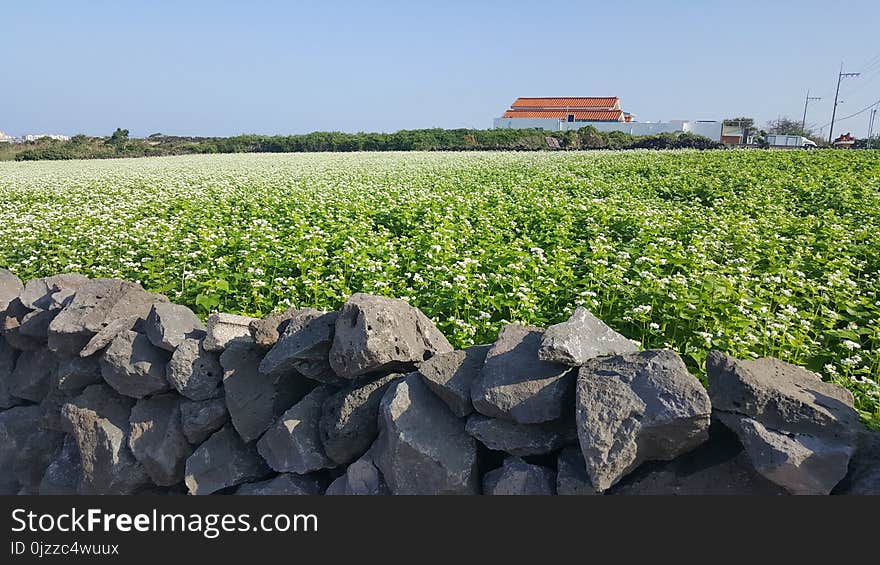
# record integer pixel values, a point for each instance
(712, 130)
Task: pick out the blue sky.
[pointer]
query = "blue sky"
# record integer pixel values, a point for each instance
(224, 68)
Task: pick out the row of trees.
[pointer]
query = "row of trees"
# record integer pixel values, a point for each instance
(119, 144)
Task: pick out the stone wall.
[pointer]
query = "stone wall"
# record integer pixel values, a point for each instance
(108, 389)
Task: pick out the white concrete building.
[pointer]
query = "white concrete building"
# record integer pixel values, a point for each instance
(55, 136)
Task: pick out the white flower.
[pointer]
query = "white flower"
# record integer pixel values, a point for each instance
(851, 345)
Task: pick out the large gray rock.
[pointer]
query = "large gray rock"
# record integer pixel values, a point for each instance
(224, 329)
(287, 484)
(864, 468)
(43, 294)
(266, 331)
(168, 325)
(451, 375)
(515, 385)
(134, 366)
(224, 460)
(304, 347)
(202, 418)
(361, 478)
(293, 444)
(157, 440)
(374, 333)
(97, 303)
(8, 357)
(803, 464)
(10, 328)
(718, 467)
(64, 473)
(516, 477)
(10, 288)
(194, 372)
(35, 455)
(349, 417)
(637, 407)
(17, 426)
(109, 332)
(797, 430)
(98, 420)
(254, 400)
(571, 473)
(521, 439)
(422, 447)
(35, 324)
(581, 338)
(33, 374)
(76, 373)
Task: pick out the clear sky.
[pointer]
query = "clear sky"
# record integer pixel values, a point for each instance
(273, 67)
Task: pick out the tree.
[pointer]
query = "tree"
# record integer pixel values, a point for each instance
(786, 126)
(119, 136)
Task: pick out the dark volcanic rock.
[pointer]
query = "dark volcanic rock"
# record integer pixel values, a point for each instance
(134, 366)
(518, 477)
(515, 385)
(422, 447)
(97, 303)
(64, 472)
(293, 444)
(581, 338)
(157, 440)
(33, 375)
(717, 467)
(168, 325)
(304, 347)
(10, 288)
(864, 468)
(349, 417)
(571, 473)
(194, 372)
(8, 357)
(374, 333)
(10, 327)
(521, 439)
(224, 460)
(224, 329)
(266, 331)
(98, 420)
(451, 375)
(51, 293)
(797, 430)
(254, 400)
(361, 478)
(76, 373)
(637, 407)
(287, 484)
(202, 418)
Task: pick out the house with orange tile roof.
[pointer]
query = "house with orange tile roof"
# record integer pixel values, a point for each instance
(556, 113)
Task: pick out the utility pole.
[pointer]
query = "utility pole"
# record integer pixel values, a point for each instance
(806, 103)
(871, 124)
(841, 75)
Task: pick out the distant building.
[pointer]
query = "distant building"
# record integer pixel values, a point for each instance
(845, 141)
(5, 138)
(570, 109)
(55, 136)
(601, 112)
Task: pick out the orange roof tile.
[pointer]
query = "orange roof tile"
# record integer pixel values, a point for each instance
(588, 115)
(593, 102)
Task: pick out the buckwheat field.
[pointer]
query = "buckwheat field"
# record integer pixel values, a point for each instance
(753, 253)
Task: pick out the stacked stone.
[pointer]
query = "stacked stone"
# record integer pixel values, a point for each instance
(106, 388)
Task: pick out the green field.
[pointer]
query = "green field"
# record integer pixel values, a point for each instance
(754, 253)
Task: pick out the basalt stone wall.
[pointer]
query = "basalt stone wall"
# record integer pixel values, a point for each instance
(106, 388)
